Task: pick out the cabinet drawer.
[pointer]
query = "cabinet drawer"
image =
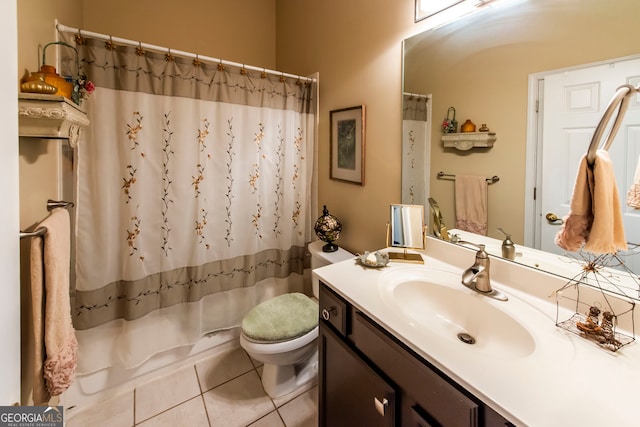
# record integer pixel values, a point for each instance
(443, 402)
(333, 309)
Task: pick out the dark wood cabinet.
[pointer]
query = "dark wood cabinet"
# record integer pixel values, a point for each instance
(370, 378)
(352, 393)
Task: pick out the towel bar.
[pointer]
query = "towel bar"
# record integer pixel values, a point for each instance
(51, 205)
(620, 101)
(39, 232)
(443, 175)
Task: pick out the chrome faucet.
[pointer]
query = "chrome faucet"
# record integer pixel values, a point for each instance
(477, 277)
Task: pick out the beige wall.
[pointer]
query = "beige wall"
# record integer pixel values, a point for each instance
(355, 45)
(242, 31)
(481, 67)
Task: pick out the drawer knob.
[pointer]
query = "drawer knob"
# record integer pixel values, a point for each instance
(326, 312)
(380, 406)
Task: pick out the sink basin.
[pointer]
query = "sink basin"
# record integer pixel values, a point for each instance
(436, 301)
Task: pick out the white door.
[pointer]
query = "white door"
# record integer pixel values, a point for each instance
(574, 102)
(9, 220)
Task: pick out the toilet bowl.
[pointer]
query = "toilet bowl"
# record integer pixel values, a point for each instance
(282, 332)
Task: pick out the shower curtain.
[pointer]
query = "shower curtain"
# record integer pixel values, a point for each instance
(193, 198)
(416, 113)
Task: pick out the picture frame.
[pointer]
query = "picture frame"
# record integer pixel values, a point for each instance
(347, 144)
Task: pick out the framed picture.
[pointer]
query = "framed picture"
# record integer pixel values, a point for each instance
(347, 145)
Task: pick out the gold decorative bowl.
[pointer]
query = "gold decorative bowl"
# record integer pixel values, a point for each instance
(37, 84)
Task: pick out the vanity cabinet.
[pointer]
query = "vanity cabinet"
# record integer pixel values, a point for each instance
(353, 393)
(369, 378)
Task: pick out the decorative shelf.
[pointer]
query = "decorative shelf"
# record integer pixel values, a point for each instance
(50, 116)
(467, 140)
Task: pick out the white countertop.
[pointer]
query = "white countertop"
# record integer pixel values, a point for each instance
(565, 381)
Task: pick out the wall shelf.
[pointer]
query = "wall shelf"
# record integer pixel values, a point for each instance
(467, 140)
(50, 116)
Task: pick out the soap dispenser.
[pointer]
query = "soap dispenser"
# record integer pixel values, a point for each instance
(508, 247)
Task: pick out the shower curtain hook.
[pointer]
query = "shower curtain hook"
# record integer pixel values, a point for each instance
(168, 56)
(139, 49)
(220, 65)
(282, 77)
(243, 70)
(196, 61)
(79, 38)
(109, 44)
(263, 74)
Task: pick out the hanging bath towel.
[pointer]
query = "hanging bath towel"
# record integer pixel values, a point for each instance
(595, 217)
(633, 195)
(471, 203)
(55, 342)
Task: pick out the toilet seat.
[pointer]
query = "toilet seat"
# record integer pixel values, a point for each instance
(281, 319)
(273, 347)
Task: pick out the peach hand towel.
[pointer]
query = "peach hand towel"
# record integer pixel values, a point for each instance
(55, 341)
(595, 217)
(471, 203)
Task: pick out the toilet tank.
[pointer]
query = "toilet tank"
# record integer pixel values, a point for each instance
(320, 259)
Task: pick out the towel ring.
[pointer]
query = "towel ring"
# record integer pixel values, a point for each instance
(621, 101)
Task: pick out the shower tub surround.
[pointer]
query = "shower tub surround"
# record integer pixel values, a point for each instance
(554, 379)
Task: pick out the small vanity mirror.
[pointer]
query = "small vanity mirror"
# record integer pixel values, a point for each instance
(406, 230)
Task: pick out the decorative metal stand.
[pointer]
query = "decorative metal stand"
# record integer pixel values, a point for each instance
(601, 296)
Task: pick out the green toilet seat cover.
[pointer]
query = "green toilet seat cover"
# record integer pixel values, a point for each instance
(281, 318)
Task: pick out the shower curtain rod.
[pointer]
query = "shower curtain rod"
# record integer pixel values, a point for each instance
(64, 28)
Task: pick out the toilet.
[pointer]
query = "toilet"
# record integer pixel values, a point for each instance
(282, 332)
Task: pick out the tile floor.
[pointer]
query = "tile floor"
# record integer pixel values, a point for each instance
(221, 390)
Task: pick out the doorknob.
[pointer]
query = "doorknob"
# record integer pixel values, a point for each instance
(553, 219)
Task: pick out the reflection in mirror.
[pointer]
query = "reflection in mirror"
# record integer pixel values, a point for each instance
(406, 231)
(484, 65)
(439, 227)
(416, 127)
(601, 274)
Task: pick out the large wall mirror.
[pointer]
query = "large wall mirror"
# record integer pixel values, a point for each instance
(482, 65)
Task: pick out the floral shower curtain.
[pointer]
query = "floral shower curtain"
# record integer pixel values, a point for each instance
(193, 198)
(415, 148)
